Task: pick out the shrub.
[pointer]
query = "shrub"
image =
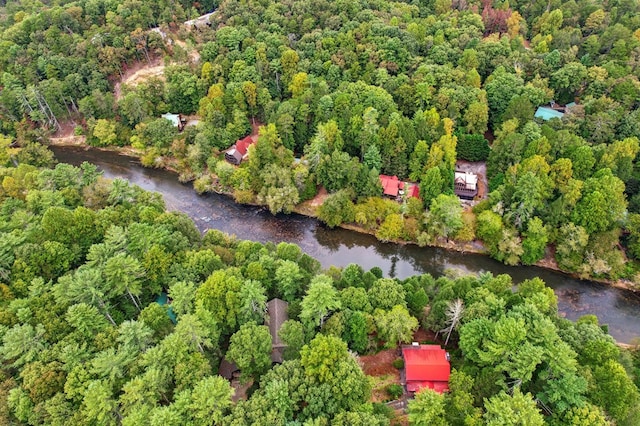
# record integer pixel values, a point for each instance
(394, 391)
(398, 363)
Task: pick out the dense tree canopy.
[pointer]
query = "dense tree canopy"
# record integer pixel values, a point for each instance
(86, 343)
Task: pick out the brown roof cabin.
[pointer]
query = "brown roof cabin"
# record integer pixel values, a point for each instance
(227, 369)
(276, 316)
(239, 150)
(466, 185)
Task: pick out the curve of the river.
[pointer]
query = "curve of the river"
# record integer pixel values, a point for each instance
(618, 308)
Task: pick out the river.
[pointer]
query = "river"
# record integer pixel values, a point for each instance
(619, 309)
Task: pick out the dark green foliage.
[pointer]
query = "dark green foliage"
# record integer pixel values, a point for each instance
(81, 322)
(472, 148)
(394, 391)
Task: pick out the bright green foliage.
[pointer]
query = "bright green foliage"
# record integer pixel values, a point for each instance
(516, 409)
(431, 184)
(336, 209)
(209, 400)
(392, 229)
(321, 299)
(427, 408)
(289, 279)
(444, 217)
(459, 408)
(386, 293)
(336, 381)
(602, 204)
(220, 296)
(292, 334)
(395, 326)
(250, 350)
(534, 244)
(490, 229)
(613, 390)
(587, 415)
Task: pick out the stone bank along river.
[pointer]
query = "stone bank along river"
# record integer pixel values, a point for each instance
(618, 308)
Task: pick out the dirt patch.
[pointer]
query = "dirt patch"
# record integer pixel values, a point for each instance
(380, 367)
(381, 363)
(68, 141)
(319, 198)
(422, 335)
(310, 207)
(137, 73)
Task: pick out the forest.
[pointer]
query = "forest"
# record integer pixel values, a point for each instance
(83, 260)
(356, 89)
(343, 91)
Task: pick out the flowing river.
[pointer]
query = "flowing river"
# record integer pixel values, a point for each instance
(620, 309)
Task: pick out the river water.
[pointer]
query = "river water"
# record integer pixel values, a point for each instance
(619, 309)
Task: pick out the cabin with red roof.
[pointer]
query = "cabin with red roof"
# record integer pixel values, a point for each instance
(426, 366)
(392, 186)
(239, 150)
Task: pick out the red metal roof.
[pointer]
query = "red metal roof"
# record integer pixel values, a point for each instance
(242, 145)
(413, 191)
(426, 366)
(390, 185)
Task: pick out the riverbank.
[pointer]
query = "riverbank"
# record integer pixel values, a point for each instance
(309, 207)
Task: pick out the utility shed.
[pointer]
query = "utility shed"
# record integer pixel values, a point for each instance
(426, 366)
(276, 316)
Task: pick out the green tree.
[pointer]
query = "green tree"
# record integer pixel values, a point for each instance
(427, 408)
(336, 209)
(292, 334)
(535, 242)
(334, 380)
(250, 350)
(431, 185)
(104, 132)
(396, 326)
(392, 229)
(613, 390)
(515, 409)
(22, 344)
(385, 293)
(209, 400)
(320, 300)
(289, 280)
(444, 217)
(253, 302)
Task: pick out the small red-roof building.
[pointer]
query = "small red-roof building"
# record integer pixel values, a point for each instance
(413, 190)
(426, 366)
(238, 151)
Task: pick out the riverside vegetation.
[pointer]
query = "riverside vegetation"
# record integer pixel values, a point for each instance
(358, 89)
(83, 259)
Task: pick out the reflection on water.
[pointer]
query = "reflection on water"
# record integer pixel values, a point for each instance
(617, 308)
